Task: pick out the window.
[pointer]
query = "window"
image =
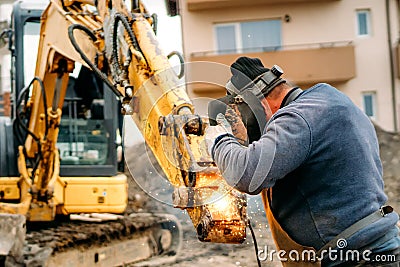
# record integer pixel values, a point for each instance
(363, 23)
(31, 39)
(369, 104)
(226, 38)
(250, 36)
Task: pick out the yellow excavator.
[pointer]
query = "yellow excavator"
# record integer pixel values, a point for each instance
(94, 61)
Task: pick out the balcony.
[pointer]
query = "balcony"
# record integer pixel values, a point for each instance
(302, 64)
(195, 5)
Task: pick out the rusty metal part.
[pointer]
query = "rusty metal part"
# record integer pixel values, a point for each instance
(217, 211)
(190, 123)
(222, 215)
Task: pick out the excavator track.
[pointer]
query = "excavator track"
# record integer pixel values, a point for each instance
(138, 238)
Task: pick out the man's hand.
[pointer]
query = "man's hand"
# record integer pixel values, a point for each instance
(212, 132)
(234, 118)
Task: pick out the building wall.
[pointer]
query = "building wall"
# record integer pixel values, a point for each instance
(373, 63)
(5, 59)
(316, 22)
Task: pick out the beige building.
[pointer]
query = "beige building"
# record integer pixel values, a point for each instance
(352, 44)
(5, 58)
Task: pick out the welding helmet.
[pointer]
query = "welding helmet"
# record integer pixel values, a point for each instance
(250, 82)
(250, 74)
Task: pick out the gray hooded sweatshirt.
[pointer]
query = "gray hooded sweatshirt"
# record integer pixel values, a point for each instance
(320, 155)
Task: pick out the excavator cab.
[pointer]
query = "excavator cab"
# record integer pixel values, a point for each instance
(89, 131)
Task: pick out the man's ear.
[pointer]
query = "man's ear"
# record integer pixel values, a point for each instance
(267, 110)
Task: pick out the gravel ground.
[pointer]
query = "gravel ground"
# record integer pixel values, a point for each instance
(196, 253)
(390, 155)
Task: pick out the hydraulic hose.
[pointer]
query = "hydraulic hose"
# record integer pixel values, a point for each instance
(254, 242)
(182, 61)
(18, 124)
(95, 69)
(132, 42)
(22, 95)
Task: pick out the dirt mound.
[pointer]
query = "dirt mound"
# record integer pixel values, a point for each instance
(389, 144)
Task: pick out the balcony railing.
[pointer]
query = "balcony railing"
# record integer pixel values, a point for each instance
(273, 48)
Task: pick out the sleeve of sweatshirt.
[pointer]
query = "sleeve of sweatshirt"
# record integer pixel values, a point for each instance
(282, 148)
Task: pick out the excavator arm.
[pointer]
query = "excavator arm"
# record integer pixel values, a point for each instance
(163, 112)
(166, 118)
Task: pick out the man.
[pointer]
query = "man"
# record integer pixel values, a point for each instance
(316, 166)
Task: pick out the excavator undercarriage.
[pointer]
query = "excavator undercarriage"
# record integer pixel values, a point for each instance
(151, 239)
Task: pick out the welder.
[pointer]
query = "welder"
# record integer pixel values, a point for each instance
(313, 155)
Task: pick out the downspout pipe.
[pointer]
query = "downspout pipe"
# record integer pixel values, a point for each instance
(391, 59)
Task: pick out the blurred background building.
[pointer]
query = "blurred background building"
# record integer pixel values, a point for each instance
(5, 59)
(351, 44)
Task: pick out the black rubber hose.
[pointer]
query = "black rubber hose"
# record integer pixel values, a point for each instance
(96, 70)
(63, 5)
(39, 156)
(18, 118)
(114, 56)
(18, 123)
(44, 102)
(254, 242)
(17, 133)
(131, 41)
(181, 59)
